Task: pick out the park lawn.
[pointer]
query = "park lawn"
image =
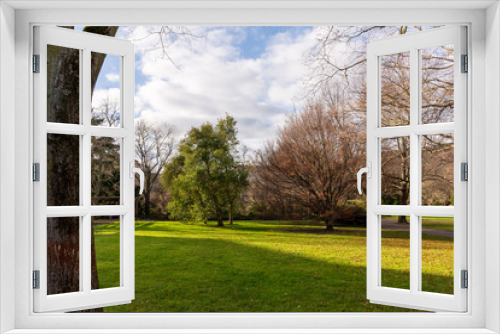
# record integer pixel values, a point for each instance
(438, 223)
(261, 266)
(435, 223)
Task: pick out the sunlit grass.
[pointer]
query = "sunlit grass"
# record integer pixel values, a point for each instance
(255, 266)
(435, 223)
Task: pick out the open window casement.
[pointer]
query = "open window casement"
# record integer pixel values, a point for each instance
(66, 64)
(401, 121)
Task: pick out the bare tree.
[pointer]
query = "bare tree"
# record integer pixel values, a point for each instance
(154, 146)
(107, 113)
(339, 60)
(312, 162)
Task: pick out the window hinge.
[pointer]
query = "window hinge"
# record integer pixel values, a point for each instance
(465, 279)
(36, 172)
(36, 63)
(36, 279)
(464, 171)
(465, 64)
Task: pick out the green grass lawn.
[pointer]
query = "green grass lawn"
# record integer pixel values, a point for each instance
(435, 223)
(438, 223)
(261, 266)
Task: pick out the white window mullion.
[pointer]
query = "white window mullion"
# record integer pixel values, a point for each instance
(87, 254)
(414, 170)
(460, 156)
(86, 161)
(406, 210)
(392, 131)
(373, 183)
(40, 156)
(127, 243)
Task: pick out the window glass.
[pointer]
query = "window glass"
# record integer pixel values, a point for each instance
(106, 170)
(395, 89)
(395, 253)
(437, 81)
(63, 170)
(395, 167)
(63, 85)
(106, 90)
(437, 254)
(63, 255)
(106, 262)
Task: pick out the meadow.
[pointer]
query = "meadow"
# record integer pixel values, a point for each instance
(263, 266)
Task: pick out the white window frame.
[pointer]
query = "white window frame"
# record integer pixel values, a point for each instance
(85, 43)
(483, 20)
(414, 297)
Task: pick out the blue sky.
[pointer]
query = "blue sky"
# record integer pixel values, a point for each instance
(254, 74)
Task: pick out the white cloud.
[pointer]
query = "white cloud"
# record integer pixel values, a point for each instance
(210, 79)
(113, 77)
(109, 96)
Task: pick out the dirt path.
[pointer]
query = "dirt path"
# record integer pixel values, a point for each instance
(393, 225)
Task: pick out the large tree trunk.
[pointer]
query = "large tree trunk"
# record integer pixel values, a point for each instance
(402, 220)
(329, 224)
(405, 194)
(147, 192)
(63, 234)
(220, 222)
(147, 203)
(231, 215)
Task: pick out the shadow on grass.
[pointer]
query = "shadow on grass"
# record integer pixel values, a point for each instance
(177, 274)
(395, 234)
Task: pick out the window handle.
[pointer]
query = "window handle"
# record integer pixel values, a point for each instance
(368, 171)
(134, 170)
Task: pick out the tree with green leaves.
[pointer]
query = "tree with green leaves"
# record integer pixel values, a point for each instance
(206, 177)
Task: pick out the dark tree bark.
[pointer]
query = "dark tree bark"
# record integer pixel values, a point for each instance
(63, 234)
(230, 214)
(220, 221)
(405, 194)
(147, 195)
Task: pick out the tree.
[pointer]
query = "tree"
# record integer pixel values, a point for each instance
(239, 181)
(205, 177)
(154, 146)
(313, 160)
(339, 60)
(105, 167)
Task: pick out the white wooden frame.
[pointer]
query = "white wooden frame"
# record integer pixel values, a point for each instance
(482, 17)
(415, 297)
(86, 298)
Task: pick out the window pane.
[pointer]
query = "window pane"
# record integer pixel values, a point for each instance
(395, 167)
(395, 89)
(395, 253)
(106, 96)
(63, 255)
(105, 171)
(437, 169)
(63, 170)
(437, 84)
(437, 254)
(106, 260)
(63, 85)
